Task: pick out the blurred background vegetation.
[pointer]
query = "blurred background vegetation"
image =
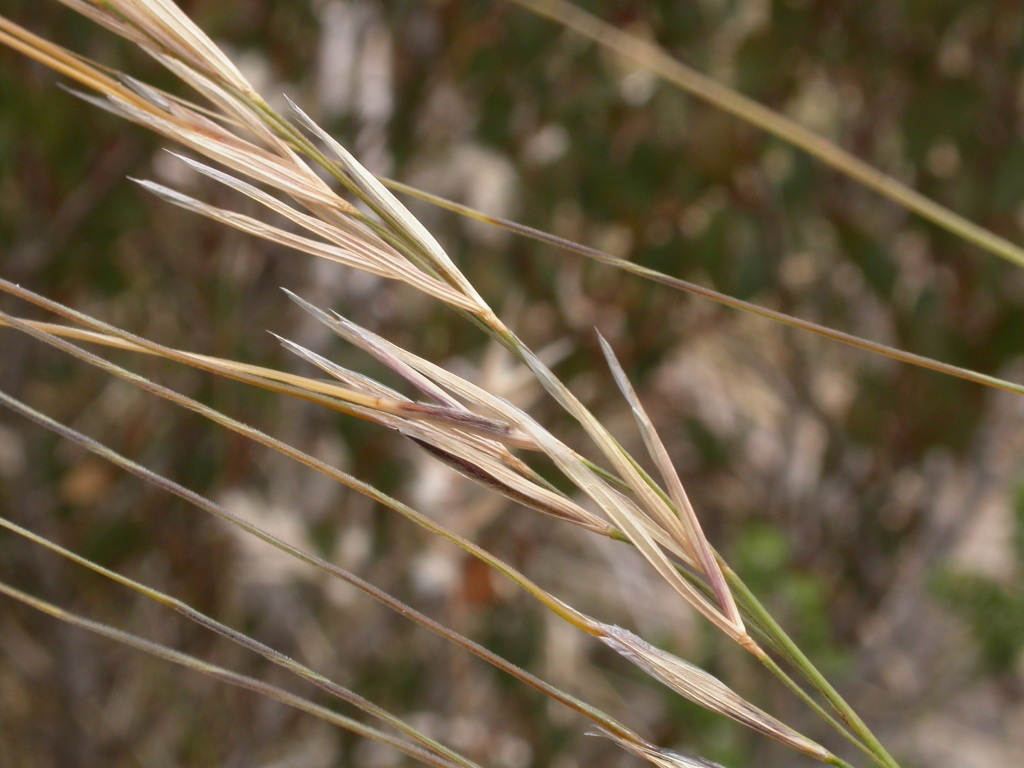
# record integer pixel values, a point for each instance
(872, 505)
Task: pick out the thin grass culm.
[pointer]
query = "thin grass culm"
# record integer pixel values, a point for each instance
(294, 187)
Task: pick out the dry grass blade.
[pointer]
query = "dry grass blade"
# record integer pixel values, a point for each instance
(280, 168)
(349, 256)
(636, 526)
(429, 378)
(286, 173)
(497, 477)
(663, 758)
(379, 405)
(410, 416)
(360, 241)
(686, 527)
(708, 691)
(474, 445)
(395, 214)
(232, 109)
(385, 354)
(429, 375)
(159, 26)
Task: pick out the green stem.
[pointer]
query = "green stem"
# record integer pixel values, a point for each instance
(784, 642)
(769, 663)
(757, 619)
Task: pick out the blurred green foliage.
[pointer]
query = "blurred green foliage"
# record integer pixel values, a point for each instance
(993, 609)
